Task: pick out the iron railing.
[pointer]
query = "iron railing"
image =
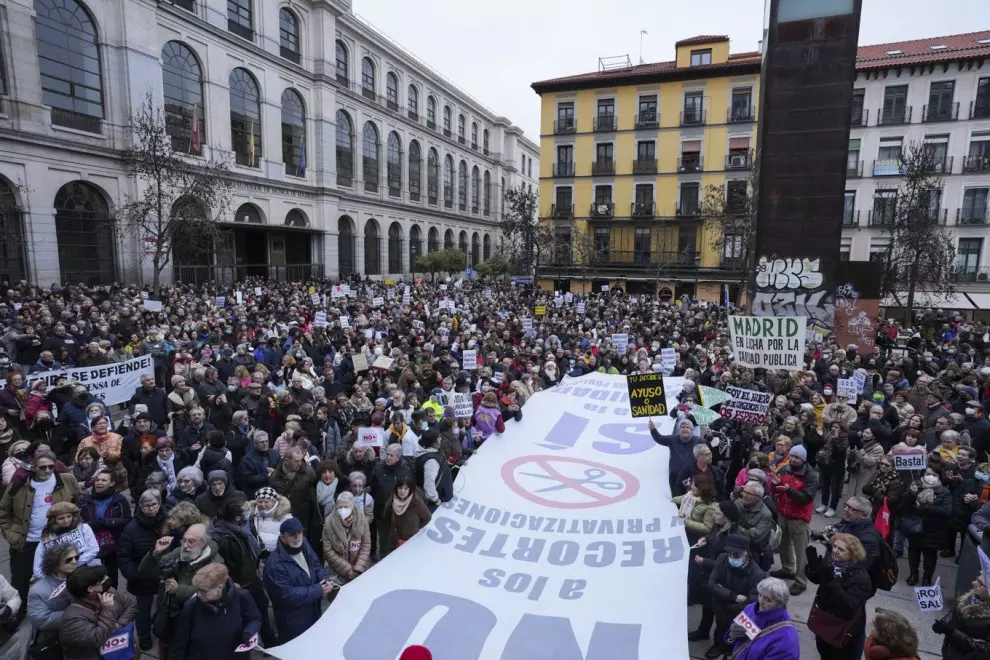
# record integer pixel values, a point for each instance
(854, 170)
(976, 164)
(979, 109)
(642, 209)
(892, 117)
(739, 114)
(940, 112)
(602, 209)
(77, 121)
(602, 167)
(647, 166)
(565, 125)
(693, 163)
(739, 161)
(850, 218)
(229, 274)
(860, 118)
(649, 119)
(693, 117)
(604, 123)
(972, 216)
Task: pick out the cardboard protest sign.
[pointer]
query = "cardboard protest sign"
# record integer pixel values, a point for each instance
(257, 290)
(668, 357)
(153, 305)
(847, 389)
(383, 363)
(647, 397)
(909, 458)
(860, 379)
(461, 401)
(568, 297)
(579, 308)
(314, 298)
(930, 598)
(220, 301)
(469, 360)
(240, 297)
(620, 342)
(360, 362)
(765, 342)
(540, 310)
(378, 301)
(320, 320)
(111, 384)
(338, 292)
(748, 625)
(747, 406)
(704, 415)
(345, 322)
(371, 436)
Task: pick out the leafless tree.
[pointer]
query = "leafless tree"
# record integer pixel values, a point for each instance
(730, 221)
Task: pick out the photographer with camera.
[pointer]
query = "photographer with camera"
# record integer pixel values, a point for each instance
(174, 569)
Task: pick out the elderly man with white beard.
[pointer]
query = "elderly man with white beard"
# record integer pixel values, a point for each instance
(174, 569)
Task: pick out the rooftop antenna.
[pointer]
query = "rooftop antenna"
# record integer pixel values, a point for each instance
(641, 33)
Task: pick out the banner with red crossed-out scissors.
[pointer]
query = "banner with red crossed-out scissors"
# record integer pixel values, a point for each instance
(560, 542)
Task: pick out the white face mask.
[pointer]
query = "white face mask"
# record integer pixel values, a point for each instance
(345, 513)
(930, 480)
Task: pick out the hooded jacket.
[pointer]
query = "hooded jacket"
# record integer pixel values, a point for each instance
(781, 644)
(265, 526)
(44, 610)
(347, 549)
(212, 505)
(969, 629)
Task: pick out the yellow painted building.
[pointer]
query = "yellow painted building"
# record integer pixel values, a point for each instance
(626, 155)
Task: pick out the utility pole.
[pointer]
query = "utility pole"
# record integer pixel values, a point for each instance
(641, 34)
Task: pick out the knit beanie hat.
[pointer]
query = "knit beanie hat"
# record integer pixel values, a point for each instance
(216, 475)
(800, 452)
(416, 652)
(266, 493)
(729, 510)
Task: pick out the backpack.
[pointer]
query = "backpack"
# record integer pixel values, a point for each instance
(883, 570)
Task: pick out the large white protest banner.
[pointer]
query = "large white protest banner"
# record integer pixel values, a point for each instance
(768, 342)
(559, 538)
(748, 406)
(110, 383)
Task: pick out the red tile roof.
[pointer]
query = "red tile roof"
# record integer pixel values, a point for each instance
(919, 51)
(702, 39)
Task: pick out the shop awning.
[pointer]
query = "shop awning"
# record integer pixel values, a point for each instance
(980, 300)
(923, 300)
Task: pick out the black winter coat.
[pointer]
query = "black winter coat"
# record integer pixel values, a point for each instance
(844, 596)
(935, 518)
(108, 528)
(969, 623)
(252, 473)
(212, 631)
(726, 582)
(382, 483)
(137, 540)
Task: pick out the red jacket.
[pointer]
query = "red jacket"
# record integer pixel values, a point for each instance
(797, 502)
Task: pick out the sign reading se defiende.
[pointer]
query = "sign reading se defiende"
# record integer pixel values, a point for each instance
(110, 383)
(768, 342)
(646, 395)
(540, 553)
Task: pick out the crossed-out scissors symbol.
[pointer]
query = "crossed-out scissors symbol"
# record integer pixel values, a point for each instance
(591, 476)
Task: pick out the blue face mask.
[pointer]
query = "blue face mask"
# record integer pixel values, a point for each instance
(983, 476)
(736, 563)
(232, 388)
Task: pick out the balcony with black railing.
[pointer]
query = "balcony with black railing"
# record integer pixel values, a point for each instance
(640, 166)
(602, 210)
(850, 218)
(564, 126)
(690, 163)
(860, 118)
(979, 109)
(693, 117)
(976, 164)
(77, 121)
(937, 216)
(854, 170)
(882, 218)
(563, 169)
(942, 165)
(737, 114)
(949, 112)
(643, 209)
(603, 168)
(889, 167)
(739, 161)
(446, 132)
(892, 116)
(688, 209)
(647, 119)
(972, 216)
(561, 211)
(474, 146)
(604, 123)
(973, 274)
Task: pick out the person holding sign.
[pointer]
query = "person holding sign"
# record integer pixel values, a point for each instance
(925, 519)
(96, 613)
(732, 584)
(217, 621)
(764, 629)
(681, 446)
(967, 627)
(838, 615)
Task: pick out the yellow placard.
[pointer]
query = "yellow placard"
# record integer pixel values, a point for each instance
(312, 290)
(540, 310)
(390, 282)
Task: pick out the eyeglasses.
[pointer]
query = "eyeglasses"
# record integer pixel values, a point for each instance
(71, 560)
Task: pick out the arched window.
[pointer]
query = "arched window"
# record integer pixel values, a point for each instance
(368, 78)
(293, 133)
(412, 102)
(69, 58)
(474, 135)
(288, 35)
(415, 245)
(345, 246)
(485, 137)
(433, 242)
(343, 64)
(446, 120)
(460, 128)
(372, 249)
(85, 236)
(240, 18)
(448, 182)
(487, 246)
(370, 157)
(345, 150)
(295, 218)
(245, 118)
(462, 242)
(487, 194)
(249, 214)
(475, 185)
(432, 176)
(394, 165)
(415, 171)
(475, 249)
(431, 113)
(395, 248)
(462, 186)
(12, 266)
(182, 87)
(448, 239)
(392, 91)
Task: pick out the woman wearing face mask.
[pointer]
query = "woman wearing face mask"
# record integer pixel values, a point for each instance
(844, 586)
(346, 540)
(106, 512)
(966, 628)
(66, 526)
(221, 617)
(405, 514)
(15, 460)
(926, 509)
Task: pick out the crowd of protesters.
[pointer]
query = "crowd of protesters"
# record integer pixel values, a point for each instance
(235, 487)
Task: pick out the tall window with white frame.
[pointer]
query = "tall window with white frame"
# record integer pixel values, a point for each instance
(392, 91)
(415, 171)
(412, 103)
(968, 260)
(431, 113)
(394, 165)
(487, 194)
(182, 87)
(240, 18)
(462, 186)
(974, 208)
(448, 182)
(245, 118)
(288, 35)
(474, 135)
(475, 185)
(343, 64)
(485, 139)
(345, 150)
(294, 133)
(368, 78)
(446, 121)
(461, 122)
(369, 157)
(432, 177)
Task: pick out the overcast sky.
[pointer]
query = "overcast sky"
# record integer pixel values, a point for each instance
(494, 50)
